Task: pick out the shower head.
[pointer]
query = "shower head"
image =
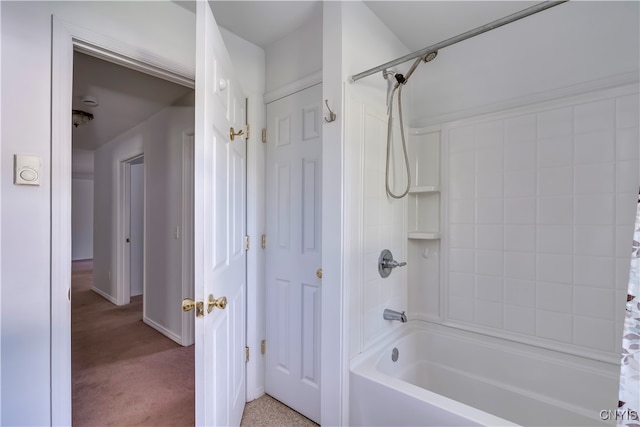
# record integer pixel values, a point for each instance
(430, 56)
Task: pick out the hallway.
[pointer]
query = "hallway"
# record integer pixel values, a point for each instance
(124, 373)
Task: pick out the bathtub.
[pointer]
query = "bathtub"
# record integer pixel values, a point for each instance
(448, 377)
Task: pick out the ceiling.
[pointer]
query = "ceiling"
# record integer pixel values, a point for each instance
(126, 98)
(417, 24)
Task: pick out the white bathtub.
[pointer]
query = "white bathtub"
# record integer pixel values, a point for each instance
(448, 377)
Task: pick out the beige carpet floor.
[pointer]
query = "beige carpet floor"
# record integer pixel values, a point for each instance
(125, 373)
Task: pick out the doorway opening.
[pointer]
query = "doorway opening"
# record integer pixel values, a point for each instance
(132, 361)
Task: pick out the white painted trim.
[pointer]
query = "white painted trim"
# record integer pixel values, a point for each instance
(536, 98)
(188, 319)
(104, 295)
(0, 209)
(291, 88)
(164, 331)
(64, 37)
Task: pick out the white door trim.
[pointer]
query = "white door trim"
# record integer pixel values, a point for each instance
(123, 227)
(66, 37)
(187, 234)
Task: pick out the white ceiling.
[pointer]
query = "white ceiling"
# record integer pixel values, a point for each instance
(126, 98)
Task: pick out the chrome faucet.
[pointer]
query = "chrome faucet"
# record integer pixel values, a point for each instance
(394, 315)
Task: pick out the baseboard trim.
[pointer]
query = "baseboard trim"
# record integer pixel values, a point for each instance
(164, 331)
(104, 295)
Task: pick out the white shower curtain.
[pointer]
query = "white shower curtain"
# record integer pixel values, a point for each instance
(629, 405)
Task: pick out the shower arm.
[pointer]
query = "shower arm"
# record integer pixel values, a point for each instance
(461, 37)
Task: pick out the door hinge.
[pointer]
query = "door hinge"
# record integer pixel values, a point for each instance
(264, 241)
(263, 346)
(246, 243)
(264, 135)
(246, 354)
(248, 132)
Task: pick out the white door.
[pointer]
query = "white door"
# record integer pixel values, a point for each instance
(219, 230)
(294, 250)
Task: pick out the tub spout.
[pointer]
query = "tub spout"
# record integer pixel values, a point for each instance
(394, 315)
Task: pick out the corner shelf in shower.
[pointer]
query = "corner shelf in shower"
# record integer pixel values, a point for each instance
(425, 189)
(424, 235)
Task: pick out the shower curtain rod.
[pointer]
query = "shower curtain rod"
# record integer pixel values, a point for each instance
(460, 37)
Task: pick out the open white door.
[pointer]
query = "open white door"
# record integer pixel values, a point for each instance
(219, 230)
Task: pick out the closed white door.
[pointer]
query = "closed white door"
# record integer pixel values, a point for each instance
(219, 230)
(294, 249)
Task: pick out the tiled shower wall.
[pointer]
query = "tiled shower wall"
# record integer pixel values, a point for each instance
(540, 211)
(378, 222)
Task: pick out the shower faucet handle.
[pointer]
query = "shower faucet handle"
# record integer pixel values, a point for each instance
(386, 263)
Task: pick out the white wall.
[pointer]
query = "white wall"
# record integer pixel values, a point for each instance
(25, 228)
(295, 56)
(570, 44)
(81, 219)
(160, 138)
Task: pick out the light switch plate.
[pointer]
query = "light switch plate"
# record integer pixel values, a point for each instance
(26, 170)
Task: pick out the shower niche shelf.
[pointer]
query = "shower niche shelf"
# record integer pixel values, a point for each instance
(423, 199)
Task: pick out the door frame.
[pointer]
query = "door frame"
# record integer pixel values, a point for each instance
(123, 232)
(67, 38)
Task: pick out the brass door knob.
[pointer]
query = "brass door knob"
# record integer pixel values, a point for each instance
(188, 304)
(319, 273)
(220, 303)
(233, 133)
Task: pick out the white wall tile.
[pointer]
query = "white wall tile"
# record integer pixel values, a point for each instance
(622, 273)
(462, 236)
(461, 284)
(462, 186)
(597, 178)
(520, 265)
(489, 237)
(554, 296)
(555, 181)
(489, 262)
(462, 260)
(488, 313)
(627, 176)
(371, 211)
(594, 302)
(626, 208)
(520, 183)
(556, 239)
(490, 184)
(462, 139)
(489, 288)
(520, 129)
(594, 116)
(627, 114)
(461, 309)
(596, 240)
(556, 122)
(520, 156)
(594, 271)
(554, 268)
(597, 147)
(489, 135)
(595, 209)
(490, 211)
(521, 210)
(555, 152)
(463, 211)
(627, 143)
(519, 292)
(520, 238)
(554, 325)
(594, 333)
(520, 319)
(624, 239)
(555, 210)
